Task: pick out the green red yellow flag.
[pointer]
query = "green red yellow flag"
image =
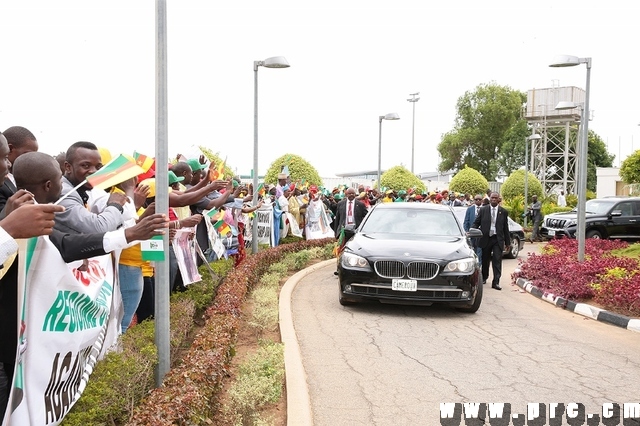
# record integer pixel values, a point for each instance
(143, 161)
(215, 215)
(218, 172)
(261, 191)
(114, 172)
(222, 227)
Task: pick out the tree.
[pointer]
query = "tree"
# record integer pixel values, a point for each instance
(399, 177)
(513, 186)
(484, 119)
(469, 181)
(513, 150)
(630, 168)
(597, 156)
(299, 170)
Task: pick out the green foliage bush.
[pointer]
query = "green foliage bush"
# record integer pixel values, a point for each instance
(271, 279)
(513, 186)
(279, 268)
(299, 169)
(399, 178)
(469, 181)
(300, 259)
(265, 309)
(630, 168)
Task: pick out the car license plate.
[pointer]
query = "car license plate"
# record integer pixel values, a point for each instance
(551, 232)
(404, 285)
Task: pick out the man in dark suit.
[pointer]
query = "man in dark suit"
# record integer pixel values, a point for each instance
(492, 220)
(469, 217)
(20, 140)
(349, 211)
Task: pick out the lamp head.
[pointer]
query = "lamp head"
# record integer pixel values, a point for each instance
(275, 62)
(534, 137)
(391, 116)
(569, 61)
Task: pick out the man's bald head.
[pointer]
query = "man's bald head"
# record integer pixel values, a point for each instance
(39, 174)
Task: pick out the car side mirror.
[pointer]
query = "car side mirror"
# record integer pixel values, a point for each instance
(616, 213)
(349, 231)
(474, 233)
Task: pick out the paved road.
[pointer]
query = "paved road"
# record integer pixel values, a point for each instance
(375, 364)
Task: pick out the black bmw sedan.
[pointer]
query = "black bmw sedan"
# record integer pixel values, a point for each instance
(411, 253)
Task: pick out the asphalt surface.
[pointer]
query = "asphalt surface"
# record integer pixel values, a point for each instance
(299, 405)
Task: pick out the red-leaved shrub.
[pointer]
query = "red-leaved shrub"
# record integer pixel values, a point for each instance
(609, 280)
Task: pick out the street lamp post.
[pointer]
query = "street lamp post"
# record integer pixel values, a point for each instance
(273, 62)
(390, 116)
(533, 137)
(570, 61)
(413, 100)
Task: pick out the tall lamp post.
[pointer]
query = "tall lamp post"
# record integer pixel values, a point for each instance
(273, 62)
(390, 116)
(571, 61)
(533, 137)
(413, 100)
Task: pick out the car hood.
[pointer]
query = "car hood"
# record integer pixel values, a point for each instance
(569, 215)
(409, 247)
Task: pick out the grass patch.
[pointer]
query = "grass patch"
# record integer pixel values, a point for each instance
(632, 251)
(259, 382)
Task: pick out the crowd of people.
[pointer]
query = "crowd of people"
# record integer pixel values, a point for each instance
(86, 221)
(294, 198)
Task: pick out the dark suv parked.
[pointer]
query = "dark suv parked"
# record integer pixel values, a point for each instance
(609, 218)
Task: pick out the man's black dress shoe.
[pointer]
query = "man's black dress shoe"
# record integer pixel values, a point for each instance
(496, 286)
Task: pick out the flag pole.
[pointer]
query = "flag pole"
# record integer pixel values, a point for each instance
(69, 193)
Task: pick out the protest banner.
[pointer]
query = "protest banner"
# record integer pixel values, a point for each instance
(69, 316)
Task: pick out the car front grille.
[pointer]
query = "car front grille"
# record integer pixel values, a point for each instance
(550, 222)
(453, 293)
(414, 270)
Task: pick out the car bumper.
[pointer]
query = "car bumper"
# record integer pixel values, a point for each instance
(551, 234)
(454, 290)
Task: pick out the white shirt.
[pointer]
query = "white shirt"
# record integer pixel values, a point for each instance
(8, 246)
(562, 201)
(494, 217)
(349, 217)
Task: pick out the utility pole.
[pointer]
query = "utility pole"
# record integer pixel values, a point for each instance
(413, 100)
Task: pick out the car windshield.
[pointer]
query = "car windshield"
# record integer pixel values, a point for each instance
(599, 206)
(411, 221)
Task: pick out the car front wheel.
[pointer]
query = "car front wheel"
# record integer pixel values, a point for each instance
(515, 248)
(596, 235)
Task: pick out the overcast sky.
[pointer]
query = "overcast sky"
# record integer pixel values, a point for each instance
(85, 70)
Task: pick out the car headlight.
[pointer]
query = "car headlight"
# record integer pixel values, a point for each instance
(350, 260)
(571, 222)
(463, 265)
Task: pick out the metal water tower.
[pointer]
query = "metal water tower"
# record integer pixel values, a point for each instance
(553, 157)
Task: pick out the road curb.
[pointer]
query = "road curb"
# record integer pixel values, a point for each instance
(583, 309)
(298, 402)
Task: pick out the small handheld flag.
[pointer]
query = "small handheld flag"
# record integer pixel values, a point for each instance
(114, 172)
(143, 161)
